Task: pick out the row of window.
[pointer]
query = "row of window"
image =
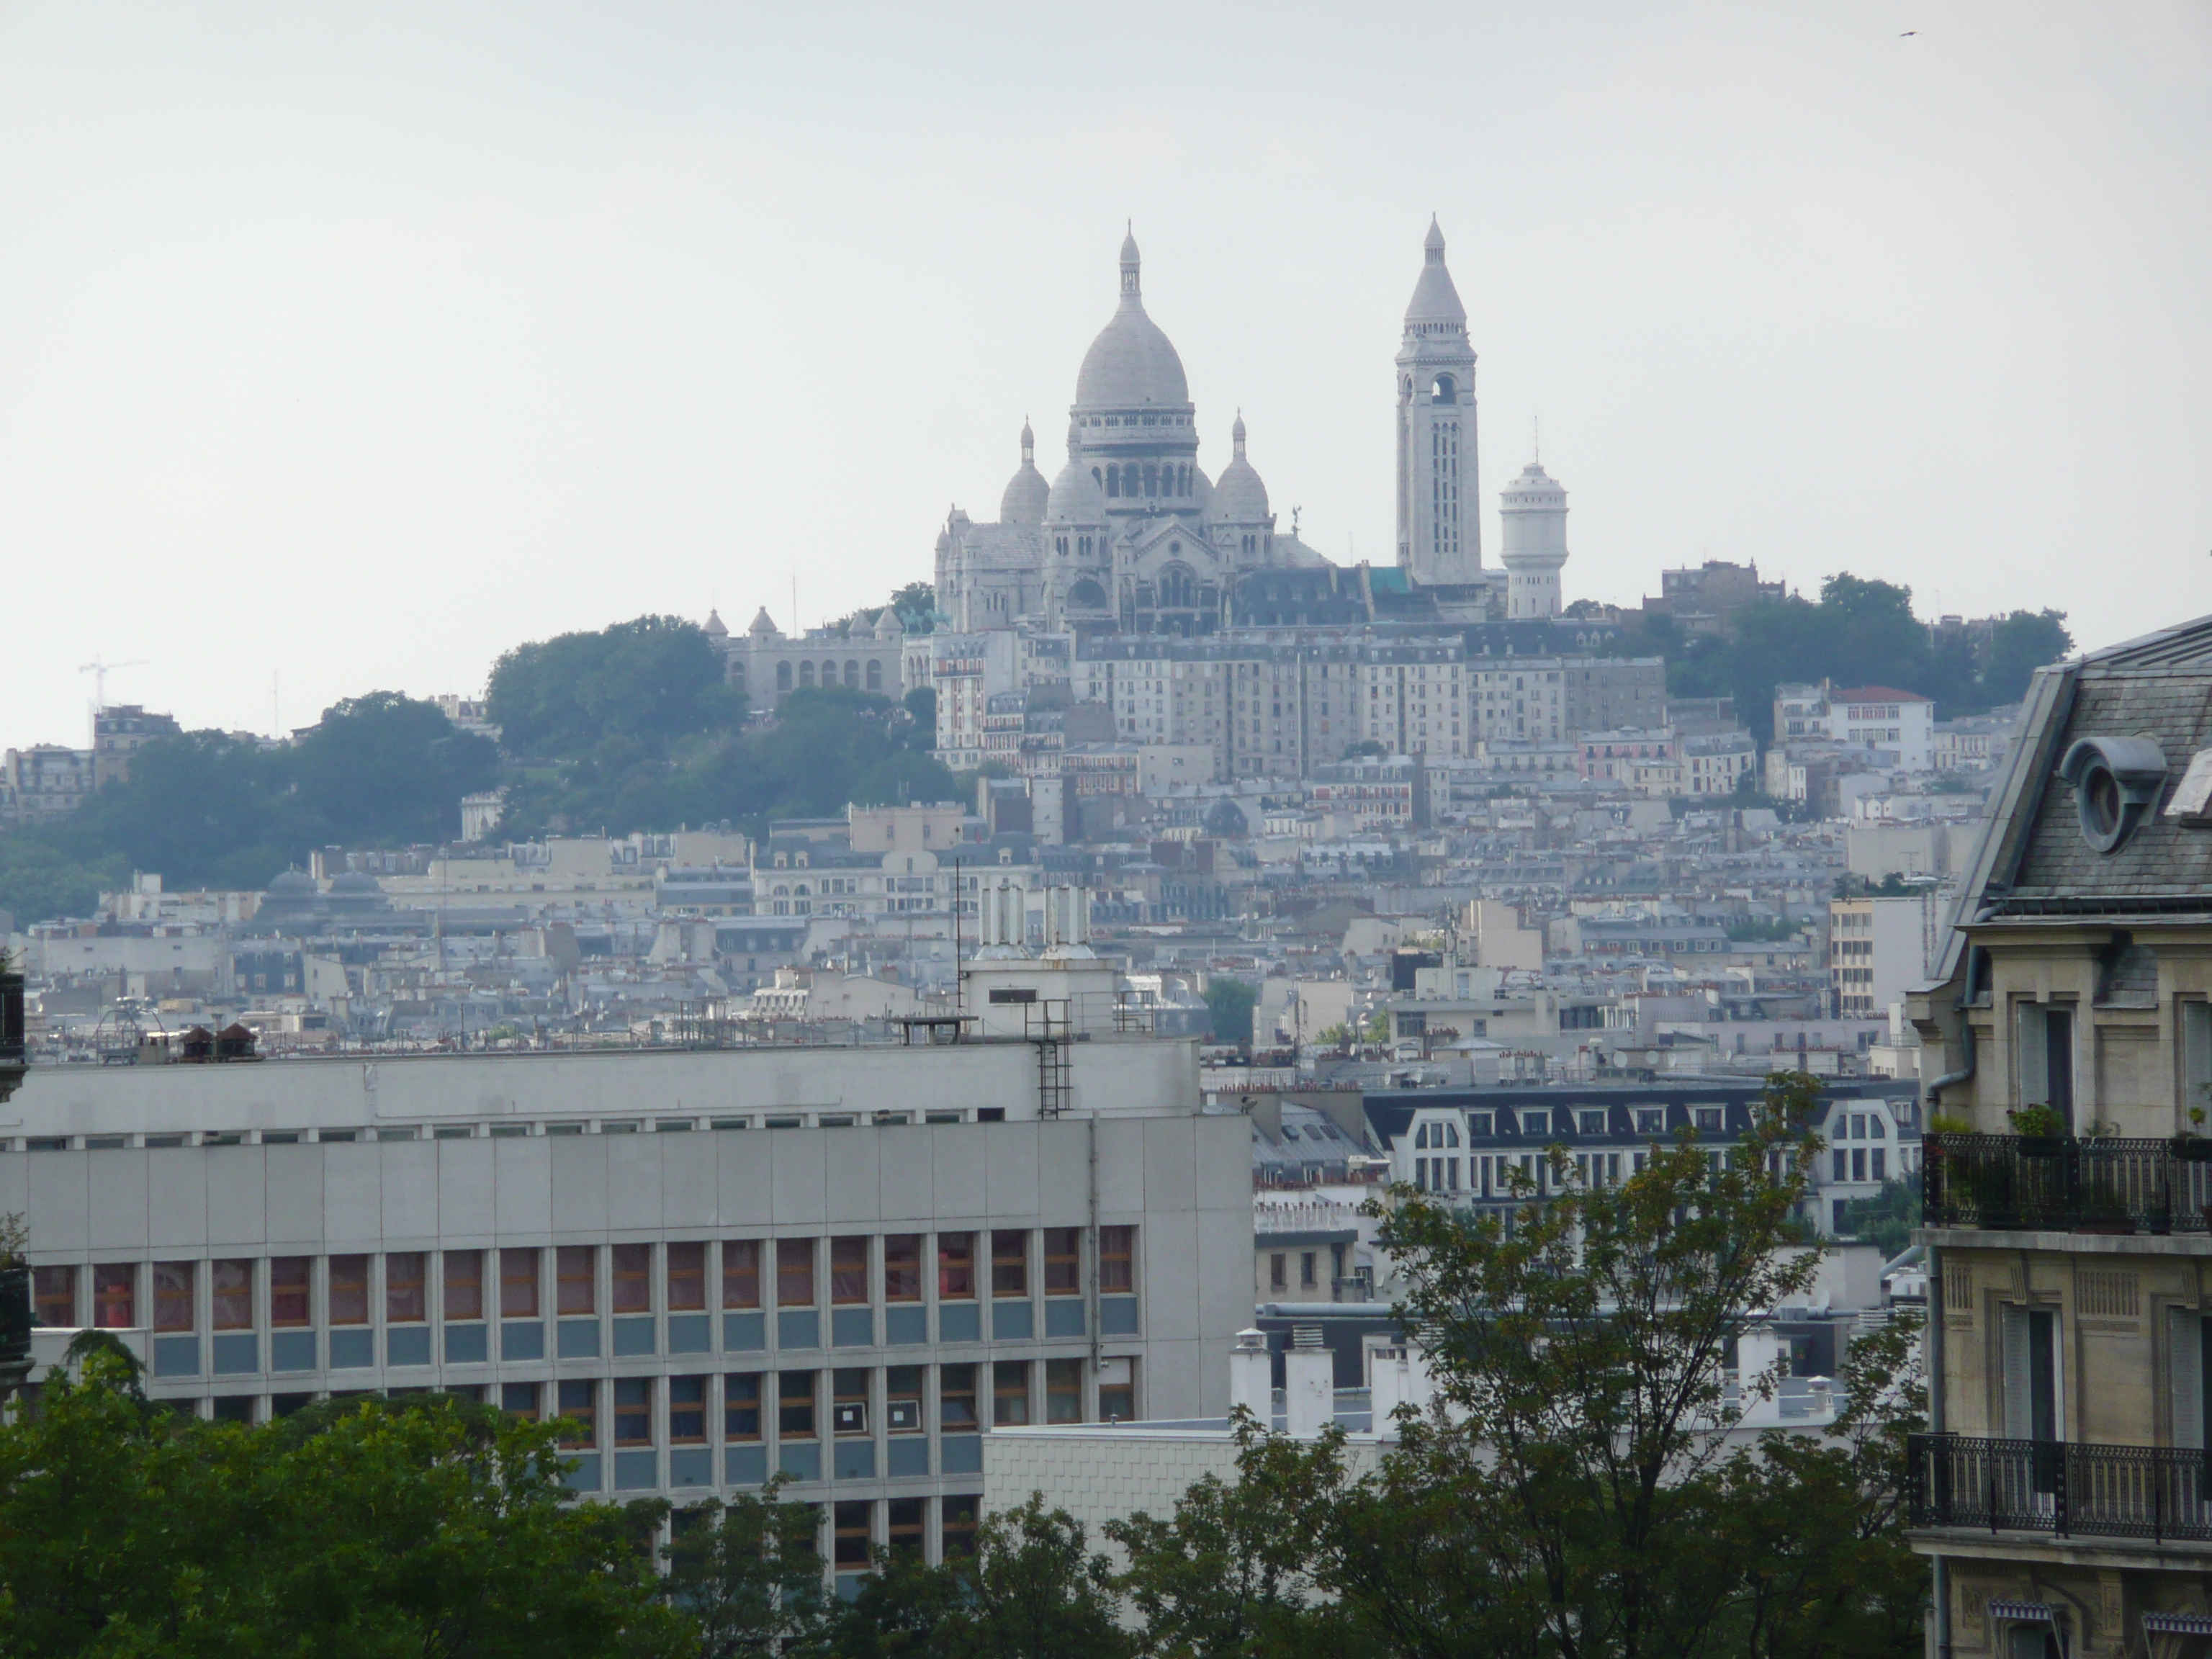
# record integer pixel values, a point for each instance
(861, 1269)
(505, 1131)
(753, 1408)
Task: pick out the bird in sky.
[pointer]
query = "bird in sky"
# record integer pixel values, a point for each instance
(1908, 34)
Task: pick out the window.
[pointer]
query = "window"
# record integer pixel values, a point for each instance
(902, 1268)
(849, 1271)
(173, 1295)
(633, 1411)
(1591, 1121)
(958, 1528)
(633, 1279)
(1063, 1259)
(576, 1279)
(1709, 1120)
(580, 1404)
(741, 1273)
(687, 1411)
(406, 1301)
(955, 1266)
(1278, 1270)
(348, 1290)
(741, 1407)
(794, 1272)
(956, 1398)
(794, 1405)
(848, 1402)
(1063, 1391)
(1010, 1392)
(687, 1278)
(1839, 1163)
(53, 1297)
(230, 1295)
(2030, 1339)
(2047, 1058)
(1651, 1120)
(1117, 1251)
(906, 1515)
(518, 1283)
(1010, 1264)
(116, 1294)
(852, 1540)
(520, 1400)
(902, 1400)
(1117, 1390)
(2196, 1057)
(464, 1284)
(1306, 1260)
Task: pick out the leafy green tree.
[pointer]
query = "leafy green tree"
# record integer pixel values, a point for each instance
(1224, 1577)
(387, 769)
(429, 1526)
(1886, 1219)
(1574, 1494)
(653, 680)
(2023, 642)
(1035, 1590)
(1229, 1003)
(747, 1574)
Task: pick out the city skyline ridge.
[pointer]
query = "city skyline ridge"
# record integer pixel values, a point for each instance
(523, 402)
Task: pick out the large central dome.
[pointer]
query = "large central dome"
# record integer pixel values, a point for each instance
(1131, 364)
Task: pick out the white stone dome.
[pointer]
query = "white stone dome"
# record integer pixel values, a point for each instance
(1026, 491)
(1131, 363)
(1076, 497)
(1239, 496)
(1436, 298)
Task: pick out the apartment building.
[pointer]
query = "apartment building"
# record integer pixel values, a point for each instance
(841, 1264)
(1879, 948)
(1473, 1147)
(2062, 1489)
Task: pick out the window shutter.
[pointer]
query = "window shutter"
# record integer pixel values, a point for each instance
(2184, 1344)
(2019, 1401)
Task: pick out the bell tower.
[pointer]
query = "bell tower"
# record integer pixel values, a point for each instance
(1439, 518)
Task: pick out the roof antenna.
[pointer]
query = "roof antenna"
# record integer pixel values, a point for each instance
(1536, 427)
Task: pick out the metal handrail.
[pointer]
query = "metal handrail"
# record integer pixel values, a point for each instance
(2108, 1184)
(2065, 1488)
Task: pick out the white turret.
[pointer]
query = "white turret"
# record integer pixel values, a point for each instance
(1439, 532)
(1533, 511)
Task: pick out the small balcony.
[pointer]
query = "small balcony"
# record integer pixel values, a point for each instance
(2061, 1488)
(2054, 1183)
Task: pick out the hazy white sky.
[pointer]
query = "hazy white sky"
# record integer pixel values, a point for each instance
(346, 346)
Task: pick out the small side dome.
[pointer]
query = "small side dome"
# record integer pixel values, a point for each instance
(1240, 497)
(761, 628)
(1076, 497)
(715, 631)
(292, 883)
(1027, 492)
(888, 625)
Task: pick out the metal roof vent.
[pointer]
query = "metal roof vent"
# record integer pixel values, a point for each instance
(2117, 781)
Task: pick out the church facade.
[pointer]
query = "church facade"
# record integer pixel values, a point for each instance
(1131, 537)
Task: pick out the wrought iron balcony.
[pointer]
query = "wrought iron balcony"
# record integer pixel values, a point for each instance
(2065, 1488)
(2056, 1183)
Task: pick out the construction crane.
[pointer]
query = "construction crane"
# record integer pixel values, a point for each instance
(99, 671)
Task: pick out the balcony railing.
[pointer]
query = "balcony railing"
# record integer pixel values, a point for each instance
(2057, 1183)
(2069, 1490)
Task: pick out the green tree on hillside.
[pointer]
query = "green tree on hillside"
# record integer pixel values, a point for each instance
(650, 682)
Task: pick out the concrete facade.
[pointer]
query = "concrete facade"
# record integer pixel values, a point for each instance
(840, 1263)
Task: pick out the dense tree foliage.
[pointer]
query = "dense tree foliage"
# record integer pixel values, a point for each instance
(1575, 1493)
(211, 808)
(1858, 633)
(427, 1526)
(635, 687)
(1229, 1002)
(829, 746)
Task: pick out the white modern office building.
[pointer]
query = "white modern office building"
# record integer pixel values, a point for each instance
(843, 1264)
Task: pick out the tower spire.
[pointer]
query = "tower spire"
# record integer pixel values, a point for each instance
(1130, 262)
